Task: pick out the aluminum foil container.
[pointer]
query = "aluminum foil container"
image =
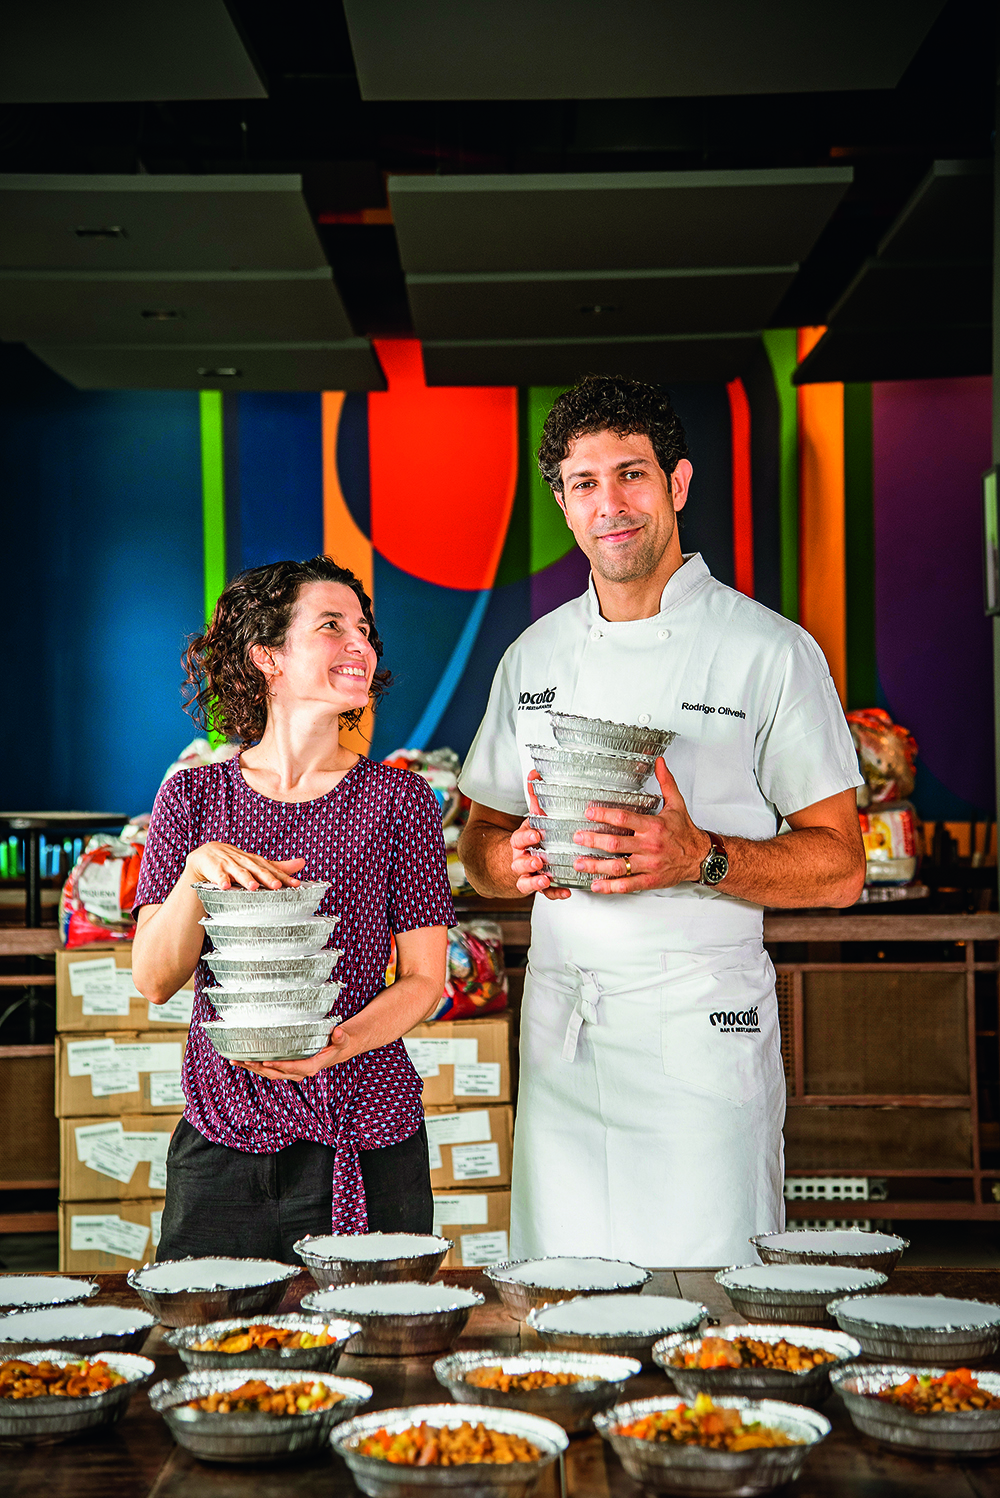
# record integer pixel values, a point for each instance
(56, 1417)
(668, 1468)
(566, 854)
(272, 1039)
(115, 1329)
(293, 939)
(812, 1388)
(519, 1296)
(327, 1268)
(262, 906)
(626, 772)
(860, 1255)
(624, 1342)
(399, 1334)
(250, 1437)
(274, 1006)
(808, 1306)
(573, 800)
(19, 1291)
(952, 1343)
(564, 876)
(602, 1380)
(574, 732)
(382, 1479)
(197, 1307)
(561, 829)
(317, 1359)
(259, 973)
(974, 1433)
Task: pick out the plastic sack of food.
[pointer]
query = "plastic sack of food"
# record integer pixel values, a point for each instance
(887, 755)
(477, 976)
(96, 900)
(891, 838)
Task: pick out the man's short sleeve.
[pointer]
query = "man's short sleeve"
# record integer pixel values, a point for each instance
(168, 842)
(491, 774)
(804, 749)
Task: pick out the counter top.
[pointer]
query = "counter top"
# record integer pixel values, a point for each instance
(138, 1458)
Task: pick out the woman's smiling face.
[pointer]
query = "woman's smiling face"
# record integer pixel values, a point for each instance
(327, 659)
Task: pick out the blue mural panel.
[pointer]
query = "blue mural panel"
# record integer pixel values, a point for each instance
(280, 477)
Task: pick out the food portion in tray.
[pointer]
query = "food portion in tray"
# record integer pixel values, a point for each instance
(748, 1352)
(267, 1338)
(507, 1383)
(23, 1380)
(463, 1445)
(703, 1424)
(258, 1397)
(955, 1392)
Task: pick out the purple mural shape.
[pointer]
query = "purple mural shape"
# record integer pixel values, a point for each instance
(931, 444)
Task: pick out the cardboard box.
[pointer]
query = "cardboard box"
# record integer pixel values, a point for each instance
(478, 1223)
(108, 1234)
(103, 1076)
(108, 1159)
(465, 1061)
(469, 1146)
(94, 991)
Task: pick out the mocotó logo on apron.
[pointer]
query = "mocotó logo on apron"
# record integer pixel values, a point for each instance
(736, 1022)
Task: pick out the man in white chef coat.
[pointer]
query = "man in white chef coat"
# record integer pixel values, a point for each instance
(652, 1093)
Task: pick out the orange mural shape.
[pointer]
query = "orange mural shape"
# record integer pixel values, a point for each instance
(822, 545)
(443, 469)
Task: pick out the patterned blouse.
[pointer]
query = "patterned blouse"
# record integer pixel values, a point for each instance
(377, 837)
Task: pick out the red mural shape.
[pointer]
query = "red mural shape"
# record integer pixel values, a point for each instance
(443, 468)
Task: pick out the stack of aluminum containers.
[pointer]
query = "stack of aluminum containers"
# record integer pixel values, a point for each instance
(597, 763)
(272, 963)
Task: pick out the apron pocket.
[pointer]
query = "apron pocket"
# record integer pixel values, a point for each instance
(719, 1030)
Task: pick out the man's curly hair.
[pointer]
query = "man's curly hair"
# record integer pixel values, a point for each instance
(607, 403)
(225, 690)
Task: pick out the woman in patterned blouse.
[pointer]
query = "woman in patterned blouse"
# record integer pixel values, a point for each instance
(268, 1152)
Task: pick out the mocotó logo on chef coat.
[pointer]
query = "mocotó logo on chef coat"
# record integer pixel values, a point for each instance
(532, 702)
(736, 1022)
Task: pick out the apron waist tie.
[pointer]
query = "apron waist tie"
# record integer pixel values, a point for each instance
(588, 996)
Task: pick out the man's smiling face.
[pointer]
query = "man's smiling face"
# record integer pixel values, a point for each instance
(618, 503)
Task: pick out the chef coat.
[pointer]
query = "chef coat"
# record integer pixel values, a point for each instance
(652, 1092)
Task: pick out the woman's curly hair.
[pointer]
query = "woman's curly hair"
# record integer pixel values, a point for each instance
(606, 403)
(225, 690)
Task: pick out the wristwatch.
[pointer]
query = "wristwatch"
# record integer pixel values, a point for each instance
(715, 866)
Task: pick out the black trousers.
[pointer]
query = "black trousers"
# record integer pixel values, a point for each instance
(223, 1201)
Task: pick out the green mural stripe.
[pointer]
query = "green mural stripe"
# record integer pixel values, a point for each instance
(515, 559)
(859, 527)
(213, 497)
(780, 344)
(551, 538)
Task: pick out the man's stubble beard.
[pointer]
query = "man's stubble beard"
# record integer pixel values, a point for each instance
(642, 562)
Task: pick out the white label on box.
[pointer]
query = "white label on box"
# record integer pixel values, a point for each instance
(158, 1175)
(124, 984)
(87, 1134)
(96, 972)
(434, 1155)
(165, 1090)
(465, 1052)
(113, 1157)
(469, 1127)
(87, 1233)
(463, 1209)
(155, 1219)
(99, 886)
(424, 1057)
(175, 1011)
(95, 1002)
(474, 1162)
(81, 1055)
(160, 1055)
(125, 1239)
(478, 1081)
(484, 1248)
(151, 1145)
(112, 1075)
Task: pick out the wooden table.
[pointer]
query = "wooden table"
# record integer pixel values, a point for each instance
(138, 1458)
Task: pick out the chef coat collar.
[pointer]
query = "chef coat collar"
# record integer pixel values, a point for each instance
(691, 575)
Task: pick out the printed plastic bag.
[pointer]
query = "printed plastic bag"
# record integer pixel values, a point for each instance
(477, 975)
(96, 900)
(892, 843)
(887, 756)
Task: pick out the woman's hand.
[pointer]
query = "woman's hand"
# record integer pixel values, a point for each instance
(340, 1048)
(224, 865)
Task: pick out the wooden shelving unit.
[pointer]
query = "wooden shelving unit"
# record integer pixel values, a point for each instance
(29, 1097)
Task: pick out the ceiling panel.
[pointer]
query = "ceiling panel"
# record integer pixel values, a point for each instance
(949, 217)
(888, 294)
(65, 51)
(613, 220)
(347, 365)
(115, 223)
(133, 307)
(623, 303)
(914, 353)
(542, 362)
(587, 49)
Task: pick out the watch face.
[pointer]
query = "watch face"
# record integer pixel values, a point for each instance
(715, 868)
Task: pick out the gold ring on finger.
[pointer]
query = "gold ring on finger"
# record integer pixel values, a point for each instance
(628, 867)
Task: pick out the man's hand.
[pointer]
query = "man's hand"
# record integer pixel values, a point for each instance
(527, 864)
(662, 850)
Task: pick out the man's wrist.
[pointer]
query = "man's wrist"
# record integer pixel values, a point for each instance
(704, 843)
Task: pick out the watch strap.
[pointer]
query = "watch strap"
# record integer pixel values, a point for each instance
(718, 848)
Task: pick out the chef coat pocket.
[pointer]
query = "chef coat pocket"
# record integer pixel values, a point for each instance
(719, 1029)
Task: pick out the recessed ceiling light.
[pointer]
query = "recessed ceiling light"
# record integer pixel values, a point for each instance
(160, 314)
(223, 372)
(108, 231)
(596, 308)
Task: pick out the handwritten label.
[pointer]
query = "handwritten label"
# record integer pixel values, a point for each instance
(109, 1234)
(95, 973)
(483, 1248)
(474, 1162)
(176, 1010)
(88, 1134)
(110, 1075)
(465, 1209)
(113, 1157)
(81, 1055)
(165, 1090)
(478, 1081)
